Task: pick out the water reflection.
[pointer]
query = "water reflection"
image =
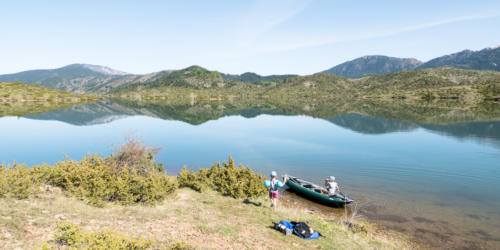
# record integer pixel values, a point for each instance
(108, 111)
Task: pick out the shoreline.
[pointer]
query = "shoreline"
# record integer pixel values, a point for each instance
(198, 220)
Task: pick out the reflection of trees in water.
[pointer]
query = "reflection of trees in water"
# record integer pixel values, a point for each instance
(369, 117)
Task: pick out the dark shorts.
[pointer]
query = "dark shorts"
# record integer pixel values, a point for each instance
(274, 195)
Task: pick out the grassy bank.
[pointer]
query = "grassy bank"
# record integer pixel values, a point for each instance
(200, 220)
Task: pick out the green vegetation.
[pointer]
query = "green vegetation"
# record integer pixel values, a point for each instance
(129, 177)
(98, 180)
(237, 182)
(18, 99)
(255, 78)
(17, 181)
(193, 77)
(69, 235)
(19, 92)
(440, 83)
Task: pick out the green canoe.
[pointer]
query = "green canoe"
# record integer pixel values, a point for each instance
(312, 192)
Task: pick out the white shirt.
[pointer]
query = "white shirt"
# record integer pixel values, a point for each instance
(332, 187)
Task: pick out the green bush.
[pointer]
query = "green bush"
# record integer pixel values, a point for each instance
(17, 181)
(188, 178)
(71, 236)
(97, 180)
(237, 182)
(490, 88)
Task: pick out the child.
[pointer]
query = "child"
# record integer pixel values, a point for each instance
(273, 185)
(331, 185)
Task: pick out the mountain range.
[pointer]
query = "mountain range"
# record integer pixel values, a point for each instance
(485, 59)
(85, 78)
(373, 65)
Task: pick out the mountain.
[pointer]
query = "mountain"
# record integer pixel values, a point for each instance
(194, 77)
(255, 78)
(485, 59)
(373, 65)
(76, 78)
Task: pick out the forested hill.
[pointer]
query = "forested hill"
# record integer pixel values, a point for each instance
(256, 78)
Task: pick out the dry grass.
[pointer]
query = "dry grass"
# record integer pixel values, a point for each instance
(203, 220)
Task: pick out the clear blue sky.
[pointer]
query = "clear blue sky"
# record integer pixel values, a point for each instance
(267, 37)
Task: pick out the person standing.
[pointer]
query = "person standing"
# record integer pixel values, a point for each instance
(273, 186)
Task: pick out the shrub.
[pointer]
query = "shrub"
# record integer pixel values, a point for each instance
(237, 182)
(97, 180)
(188, 178)
(16, 181)
(69, 235)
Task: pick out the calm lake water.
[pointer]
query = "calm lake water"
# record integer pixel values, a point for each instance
(439, 183)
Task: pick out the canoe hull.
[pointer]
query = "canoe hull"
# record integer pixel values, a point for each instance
(314, 196)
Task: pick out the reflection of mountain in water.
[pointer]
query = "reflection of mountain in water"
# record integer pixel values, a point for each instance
(89, 114)
(371, 125)
(487, 131)
(482, 131)
(107, 111)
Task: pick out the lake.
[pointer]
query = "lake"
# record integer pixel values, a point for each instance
(439, 183)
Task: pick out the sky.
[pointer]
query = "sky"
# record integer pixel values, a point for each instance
(266, 37)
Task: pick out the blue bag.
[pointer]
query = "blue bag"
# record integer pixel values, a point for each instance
(287, 224)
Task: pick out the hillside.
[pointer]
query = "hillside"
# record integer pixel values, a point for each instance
(486, 59)
(77, 78)
(187, 85)
(20, 92)
(373, 65)
(255, 78)
(18, 99)
(443, 83)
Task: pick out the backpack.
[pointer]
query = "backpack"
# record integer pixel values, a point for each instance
(304, 231)
(284, 227)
